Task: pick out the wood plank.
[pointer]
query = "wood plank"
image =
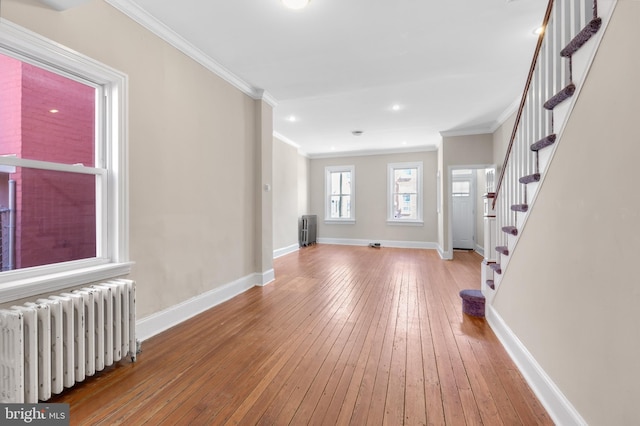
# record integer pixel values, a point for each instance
(344, 335)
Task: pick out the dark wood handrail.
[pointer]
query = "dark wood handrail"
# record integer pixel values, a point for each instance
(523, 101)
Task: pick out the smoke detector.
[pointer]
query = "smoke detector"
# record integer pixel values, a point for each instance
(357, 132)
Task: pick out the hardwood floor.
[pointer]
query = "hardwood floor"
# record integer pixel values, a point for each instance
(345, 335)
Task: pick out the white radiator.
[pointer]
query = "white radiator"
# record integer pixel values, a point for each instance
(51, 344)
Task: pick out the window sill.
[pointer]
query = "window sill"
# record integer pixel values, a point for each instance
(50, 283)
(405, 222)
(339, 222)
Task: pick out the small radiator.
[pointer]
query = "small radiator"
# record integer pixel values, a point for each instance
(51, 344)
(308, 225)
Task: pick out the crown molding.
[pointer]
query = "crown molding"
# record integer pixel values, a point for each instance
(485, 130)
(265, 96)
(511, 109)
(62, 5)
(488, 129)
(149, 22)
(364, 153)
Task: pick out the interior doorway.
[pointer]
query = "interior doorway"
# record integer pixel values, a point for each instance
(465, 199)
(463, 202)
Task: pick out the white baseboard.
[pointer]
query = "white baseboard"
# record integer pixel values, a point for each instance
(553, 400)
(285, 250)
(266, 277)
(480, 250)
(160, 321)
(444, 255)
(383, 243)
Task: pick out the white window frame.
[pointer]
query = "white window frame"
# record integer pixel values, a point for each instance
(112, 215)
(327, 195)
(391, 167)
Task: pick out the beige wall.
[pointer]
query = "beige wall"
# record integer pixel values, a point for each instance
(263, 213)
(571, 293)
(501, 138)
(304, 202)
(288, 193)
(371, 199)
(192, 154)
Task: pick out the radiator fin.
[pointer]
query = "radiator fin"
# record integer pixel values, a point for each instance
(51, 344)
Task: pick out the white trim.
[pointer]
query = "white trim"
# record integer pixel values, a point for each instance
(328, 170)
(480, 250)
(391, 167)
(50, 283)
(266, 277)
(405, 222)
(486, 129)
(149, 22)
(511, 109)
(444, 255)
(383, 243)
(285, 140)
(368, 152)
(550, 396)
(160, 321)
(285, 250)
(339, 221)
(112, 243)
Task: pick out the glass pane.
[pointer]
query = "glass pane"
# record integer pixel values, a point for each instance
(461, 172)
(405, 206)
(461, 188)
(340, 183)
(335, 183)
(335, 206)
(405, 180)
(45, 116)
(346, 183)
(346, 207)
(340, 206)
(53, 216)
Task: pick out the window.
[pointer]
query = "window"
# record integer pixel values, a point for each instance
(339, 194)
(62, 167)
(405, 193)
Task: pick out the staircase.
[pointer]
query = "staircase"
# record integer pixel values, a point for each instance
(563, 55)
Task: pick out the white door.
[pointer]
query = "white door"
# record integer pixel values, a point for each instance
(464, 218)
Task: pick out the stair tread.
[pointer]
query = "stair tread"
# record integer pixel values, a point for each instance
(582, 37)
(561, 96)
(503, 250)
(496, 268)
(491, 284)
(510, 230)
(520, 207)
(530, 178)
(544, 142)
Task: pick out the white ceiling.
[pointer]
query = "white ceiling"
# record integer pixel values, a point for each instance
(454, 66)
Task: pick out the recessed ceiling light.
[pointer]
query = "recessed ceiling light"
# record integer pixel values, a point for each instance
(357, 132)
(295, 4)
(53, 111)
(404, 142)
(292, 118)
(396, 107)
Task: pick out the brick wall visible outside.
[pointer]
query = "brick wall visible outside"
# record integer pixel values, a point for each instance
(55, 212)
